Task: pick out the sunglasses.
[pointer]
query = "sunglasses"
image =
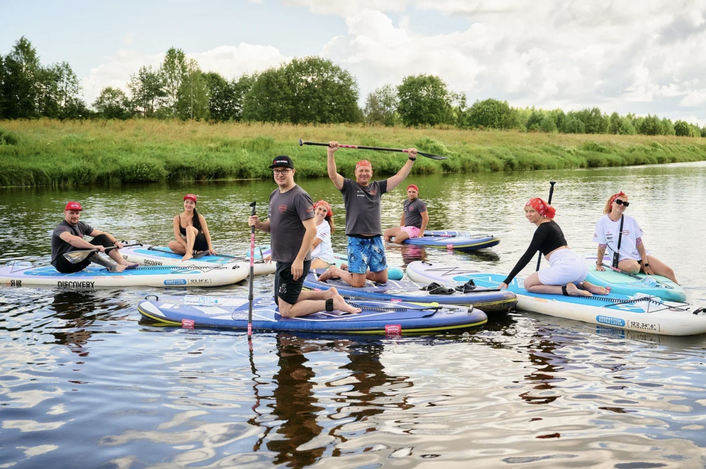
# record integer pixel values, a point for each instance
(620, 202)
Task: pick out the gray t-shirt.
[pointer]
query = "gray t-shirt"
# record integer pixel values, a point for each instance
(60, 247)
(363, 207)
(286, 213)
(413, 210)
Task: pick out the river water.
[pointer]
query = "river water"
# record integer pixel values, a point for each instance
(84, 384)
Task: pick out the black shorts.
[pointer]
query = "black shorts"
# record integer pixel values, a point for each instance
(66, 267)
(286, 287)
(200, 243)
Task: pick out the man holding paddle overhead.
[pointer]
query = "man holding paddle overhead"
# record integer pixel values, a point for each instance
(366, 251)
(291, 224)
(68, 236)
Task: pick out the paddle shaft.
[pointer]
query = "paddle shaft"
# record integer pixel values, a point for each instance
(251, 297)
(80, 255)
(629, 274)
(360, 147)
(549, 202)
(196, 256)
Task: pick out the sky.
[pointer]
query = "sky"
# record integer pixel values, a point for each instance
(628, 56)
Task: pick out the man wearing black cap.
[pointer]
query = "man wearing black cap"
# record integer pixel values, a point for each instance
(68, 236)
(292, 227)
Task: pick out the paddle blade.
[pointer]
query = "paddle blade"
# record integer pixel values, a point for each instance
(433, 157)
(76, 257)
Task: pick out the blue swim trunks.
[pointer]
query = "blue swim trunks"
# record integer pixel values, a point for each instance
(366, 253)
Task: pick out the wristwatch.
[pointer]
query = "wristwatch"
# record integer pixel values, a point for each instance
(646, 264)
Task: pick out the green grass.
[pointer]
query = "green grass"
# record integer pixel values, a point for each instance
(75, 153)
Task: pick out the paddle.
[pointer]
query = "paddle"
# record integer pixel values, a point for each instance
(549, 202)
(198, 255)
(252, 272)
(630, 274)
(76, 257)
(360, 147)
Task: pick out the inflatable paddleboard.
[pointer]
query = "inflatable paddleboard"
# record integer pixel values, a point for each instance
(24, 274)
(393, 273)
(376, 317)
(627, 284)
(157, 255)
(639, 312)
(489, 300)
(456, 240)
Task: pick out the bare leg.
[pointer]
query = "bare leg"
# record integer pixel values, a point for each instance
(354, 280)
(391, 233)
(111, 266)
(402, 237)
(319, 264)
(595, 289)
(660, 268)
(191, 233)
(379, 277)
(314, 301)
(532, 284)
(115, 255)
(177, 247)
(629, 265)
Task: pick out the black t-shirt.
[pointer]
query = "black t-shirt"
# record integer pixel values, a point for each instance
(59, 246)
(286, 213)
(413, 210)
(363, 207)
(547, 238)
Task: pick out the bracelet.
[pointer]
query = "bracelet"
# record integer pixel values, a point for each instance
(412, 159)
(646, 264)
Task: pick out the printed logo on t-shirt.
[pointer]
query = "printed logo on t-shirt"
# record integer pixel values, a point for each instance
(283, 208)
(309, 209)
(411, 209)
(373, 192)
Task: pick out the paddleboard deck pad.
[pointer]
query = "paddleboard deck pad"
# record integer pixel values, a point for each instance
(376, 317)
(626, 284)
(148, 255)
(24, 274)
(489, 300)
(638, 312)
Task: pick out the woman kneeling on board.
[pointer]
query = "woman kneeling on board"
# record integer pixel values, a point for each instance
(633, 256)
(321, 250)
(567, 270)
(190, 231)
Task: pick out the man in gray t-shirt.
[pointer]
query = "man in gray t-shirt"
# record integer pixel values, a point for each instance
(291, 223)
(366, 252)
(414, 218)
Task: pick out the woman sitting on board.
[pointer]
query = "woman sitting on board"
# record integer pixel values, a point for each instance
(414, 218)
(321, 250)
(567, 270)
(633, 257)
(190, 231)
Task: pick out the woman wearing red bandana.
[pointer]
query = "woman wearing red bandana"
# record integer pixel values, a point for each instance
(414, 218)
(633, 256)
(567, 270)
(321, 250)
(190, 231)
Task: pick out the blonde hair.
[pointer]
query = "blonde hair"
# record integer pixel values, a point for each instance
(608, 205)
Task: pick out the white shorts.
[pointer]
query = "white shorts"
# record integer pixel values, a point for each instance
(564, 266)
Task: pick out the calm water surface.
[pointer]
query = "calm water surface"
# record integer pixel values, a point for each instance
(84, 384)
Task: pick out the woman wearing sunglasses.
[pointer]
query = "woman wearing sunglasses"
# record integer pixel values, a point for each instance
(632, 255)
(567, 270)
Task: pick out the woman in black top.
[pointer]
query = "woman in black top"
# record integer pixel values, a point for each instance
(567, 270)
(190, 231)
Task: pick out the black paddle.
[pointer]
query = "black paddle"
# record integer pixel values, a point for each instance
(360, 147)
(76, 257)
(549, 202)
(616, 255)
(252, 272)
(630, 274)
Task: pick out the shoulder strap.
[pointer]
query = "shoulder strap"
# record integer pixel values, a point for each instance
(616, 255)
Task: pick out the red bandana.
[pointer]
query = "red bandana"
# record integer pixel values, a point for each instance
(541, 207)
(619, 194)
(325, 204)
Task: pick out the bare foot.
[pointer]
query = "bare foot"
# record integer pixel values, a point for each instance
(117, 268)
(332, 292)
(340, 304)
(186, 257)
(595, 289)
(328, 274)
(572, 290)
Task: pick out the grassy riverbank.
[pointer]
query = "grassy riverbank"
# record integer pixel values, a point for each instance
(49, 152)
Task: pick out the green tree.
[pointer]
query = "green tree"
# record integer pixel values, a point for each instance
(269, 99)
(221, 99)
(548, 124)
(573, 125)
(192, 99)
(60, 95)
(667, 127)
(424, 100)
(493, 114)
(147, 89)
(534, 120)
(626, 127)
(113, 103)
(381, 107)
(614, 123)
(650, 125)
(2, 87)
(593, 120)
(21, 85)
(174, 71)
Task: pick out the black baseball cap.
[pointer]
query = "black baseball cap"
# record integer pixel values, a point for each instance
(282, 160)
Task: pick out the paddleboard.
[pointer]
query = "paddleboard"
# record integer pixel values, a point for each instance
(638, 312)
(376, 317)
(158, 255)
(455, 240)
(24, 274)
(626, 284)
(489, 300)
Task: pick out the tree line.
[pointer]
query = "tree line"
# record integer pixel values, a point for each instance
(308, 90)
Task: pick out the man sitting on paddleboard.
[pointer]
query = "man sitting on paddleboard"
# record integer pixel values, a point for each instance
(414, 218)
(68, 236)
(363, 226)
(290, 222)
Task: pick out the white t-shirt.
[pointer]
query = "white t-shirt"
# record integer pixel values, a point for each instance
(323, 251)
(607, 232)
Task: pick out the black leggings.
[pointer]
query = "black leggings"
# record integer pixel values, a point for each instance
(66, 267)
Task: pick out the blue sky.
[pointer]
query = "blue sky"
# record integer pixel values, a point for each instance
(630, 56)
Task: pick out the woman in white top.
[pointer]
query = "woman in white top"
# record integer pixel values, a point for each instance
(321, 250)
(633, 257)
